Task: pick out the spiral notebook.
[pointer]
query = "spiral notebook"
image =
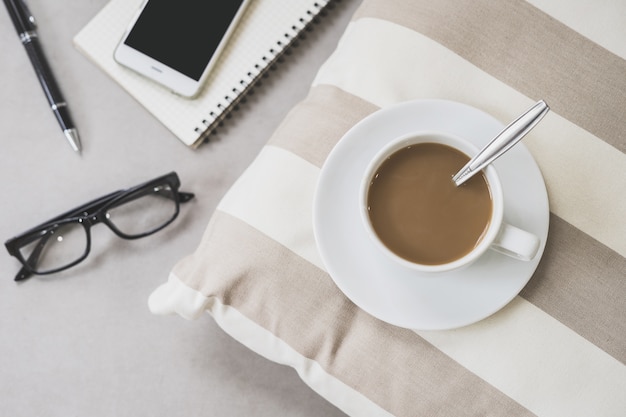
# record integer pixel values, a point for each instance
(264, 32)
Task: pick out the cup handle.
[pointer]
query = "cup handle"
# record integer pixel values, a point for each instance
(516, 243)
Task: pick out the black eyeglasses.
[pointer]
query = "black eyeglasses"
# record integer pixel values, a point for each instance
(64, 241)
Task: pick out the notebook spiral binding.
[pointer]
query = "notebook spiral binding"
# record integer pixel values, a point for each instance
(224, 109)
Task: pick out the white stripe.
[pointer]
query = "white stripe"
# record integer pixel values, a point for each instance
(415, 66)
(538, 362)
(602, 21)
(275, 195)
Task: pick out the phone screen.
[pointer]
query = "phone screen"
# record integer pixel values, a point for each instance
(182, 34)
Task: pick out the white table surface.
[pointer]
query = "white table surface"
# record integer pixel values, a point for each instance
(83, 342)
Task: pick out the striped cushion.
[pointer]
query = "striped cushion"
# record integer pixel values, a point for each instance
(559, 348)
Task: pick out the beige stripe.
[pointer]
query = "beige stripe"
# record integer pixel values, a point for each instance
(575, 273)
(527, 49)
(393, 367)
(332, 112)
(175, 297)
(600, 21)
(269, 345)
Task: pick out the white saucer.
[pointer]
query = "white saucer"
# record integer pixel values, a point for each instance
(393, 293)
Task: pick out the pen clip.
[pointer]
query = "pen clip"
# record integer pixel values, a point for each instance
(30, 16)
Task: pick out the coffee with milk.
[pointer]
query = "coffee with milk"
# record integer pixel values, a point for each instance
(418, 212)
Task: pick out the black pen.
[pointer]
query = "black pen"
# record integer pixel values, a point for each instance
(25, 24)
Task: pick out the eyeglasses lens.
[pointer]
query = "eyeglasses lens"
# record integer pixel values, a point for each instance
(144, 212)
(56, 247)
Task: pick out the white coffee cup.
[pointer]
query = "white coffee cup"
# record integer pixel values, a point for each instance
(498, 235)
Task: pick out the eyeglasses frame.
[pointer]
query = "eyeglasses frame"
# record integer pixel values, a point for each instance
(88, 215)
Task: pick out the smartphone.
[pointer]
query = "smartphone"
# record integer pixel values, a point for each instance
(177, 42)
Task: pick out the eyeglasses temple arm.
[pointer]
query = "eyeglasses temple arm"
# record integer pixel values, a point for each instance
(94, 205)
(184, 197)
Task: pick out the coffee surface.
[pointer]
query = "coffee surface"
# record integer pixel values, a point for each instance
(417, 210)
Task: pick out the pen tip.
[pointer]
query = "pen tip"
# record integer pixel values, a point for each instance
(73, 139)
